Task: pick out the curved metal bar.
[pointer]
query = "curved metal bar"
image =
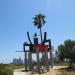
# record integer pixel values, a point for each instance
(29, 37)
(45, 35)
(44, 40)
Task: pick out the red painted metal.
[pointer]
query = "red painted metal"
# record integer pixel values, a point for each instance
(41, 47)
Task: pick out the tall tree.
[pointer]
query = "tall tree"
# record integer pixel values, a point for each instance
(67, 50)
(39, 21)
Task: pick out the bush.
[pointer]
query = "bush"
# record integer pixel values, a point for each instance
(5, 70)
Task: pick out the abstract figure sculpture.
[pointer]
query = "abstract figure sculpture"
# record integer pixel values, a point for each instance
(44, 47)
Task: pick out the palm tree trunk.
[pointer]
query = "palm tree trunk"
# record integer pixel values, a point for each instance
(41, 34)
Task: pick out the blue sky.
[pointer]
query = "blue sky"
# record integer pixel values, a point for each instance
(16, 17)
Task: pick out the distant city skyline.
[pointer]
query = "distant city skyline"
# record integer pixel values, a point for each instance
(16, 17)
(17, 61)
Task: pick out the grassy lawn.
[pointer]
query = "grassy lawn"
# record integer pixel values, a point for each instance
(7, 69)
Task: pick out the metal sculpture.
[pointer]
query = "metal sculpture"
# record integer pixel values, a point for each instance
(38, 48)
(44, 47)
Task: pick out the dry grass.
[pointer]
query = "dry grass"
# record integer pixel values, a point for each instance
(67, 71)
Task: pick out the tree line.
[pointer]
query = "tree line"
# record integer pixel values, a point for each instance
(67, 51)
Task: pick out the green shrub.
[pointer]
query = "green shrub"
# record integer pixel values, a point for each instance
(5, 70)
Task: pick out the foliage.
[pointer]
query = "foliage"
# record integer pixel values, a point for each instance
(4, 70)
(67, 50)
(56, 57)
(39, 21)
(7, 69)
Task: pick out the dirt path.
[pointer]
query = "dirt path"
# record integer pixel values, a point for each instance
(19, 72)
(53, 71)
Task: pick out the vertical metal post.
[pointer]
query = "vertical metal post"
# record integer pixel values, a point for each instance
(38, 62)
(51, 58)
(25, 58)
(26, 61)
(30, 60)
(46, 59)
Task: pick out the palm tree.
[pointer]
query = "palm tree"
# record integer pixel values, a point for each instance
(39, 21)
